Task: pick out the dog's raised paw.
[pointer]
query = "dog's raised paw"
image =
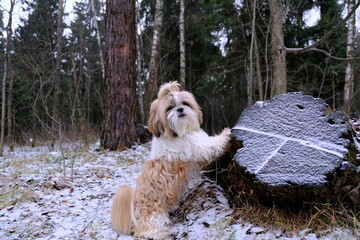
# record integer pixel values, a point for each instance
(226, 132)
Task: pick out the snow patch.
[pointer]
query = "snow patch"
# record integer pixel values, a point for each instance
(38, 200)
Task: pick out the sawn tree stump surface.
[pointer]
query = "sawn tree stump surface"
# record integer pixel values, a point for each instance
(292, 152)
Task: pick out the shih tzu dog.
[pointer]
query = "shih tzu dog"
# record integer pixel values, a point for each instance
(179, 146)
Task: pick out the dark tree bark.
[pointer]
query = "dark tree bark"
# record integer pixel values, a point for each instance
(10, 73)
(279, 85)
(56, 119)
(120, 75)
(7, 70)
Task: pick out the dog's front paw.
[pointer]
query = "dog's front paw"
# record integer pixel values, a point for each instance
(225, 137)
(226, 132)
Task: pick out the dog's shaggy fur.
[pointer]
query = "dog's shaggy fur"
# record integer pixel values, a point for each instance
(178, 148)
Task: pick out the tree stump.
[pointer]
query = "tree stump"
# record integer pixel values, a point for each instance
(293, 153)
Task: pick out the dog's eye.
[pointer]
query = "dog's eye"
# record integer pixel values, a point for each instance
(186, 104)
(169, 108)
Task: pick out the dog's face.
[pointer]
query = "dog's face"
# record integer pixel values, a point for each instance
(174, 112)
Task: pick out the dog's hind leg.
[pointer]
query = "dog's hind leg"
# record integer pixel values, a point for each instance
(154, 227)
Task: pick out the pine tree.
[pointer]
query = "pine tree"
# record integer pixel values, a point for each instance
(86, 82)
(7, 74)
(34, 44)
(120, 75)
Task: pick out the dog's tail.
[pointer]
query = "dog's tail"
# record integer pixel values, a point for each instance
(122, 211)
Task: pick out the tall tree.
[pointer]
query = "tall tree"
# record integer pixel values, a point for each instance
(120, 75)
(182, 43)
(154, 60)
(34, 65)
(83, 92)
(250, 80)
(7, 70)
(258, 71)
(279, 84)
(349, 72)
(139, 67)
(98, 37)
(56, 119)
(331, 46)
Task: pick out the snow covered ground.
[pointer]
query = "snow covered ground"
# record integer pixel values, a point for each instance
(67, 195)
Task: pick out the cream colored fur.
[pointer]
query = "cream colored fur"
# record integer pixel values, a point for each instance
(121, 210)
(178, 148)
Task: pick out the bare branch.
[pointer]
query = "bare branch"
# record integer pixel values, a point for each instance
(301, 50)
(326, 35)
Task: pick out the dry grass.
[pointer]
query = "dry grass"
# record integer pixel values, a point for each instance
(313, 216)
(192, 203)
(11, 196)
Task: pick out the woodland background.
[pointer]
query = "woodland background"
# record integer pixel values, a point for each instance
(53, 73)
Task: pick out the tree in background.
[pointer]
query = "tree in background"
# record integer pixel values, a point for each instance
(56, 118)
(182, 44)
(139, 67)
(218, 62)
(34, 64)
(120, 75)
(7, 74)
(278, 51)
(37, 63)
(153, 82)
(98, 36)
(84, 84)
(350, 68)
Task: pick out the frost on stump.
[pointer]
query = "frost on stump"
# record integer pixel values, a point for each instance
(292, 152)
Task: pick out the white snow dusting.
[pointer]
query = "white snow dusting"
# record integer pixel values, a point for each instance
(319, 145)
(39, 201)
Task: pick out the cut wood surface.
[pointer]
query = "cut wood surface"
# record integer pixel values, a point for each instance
(291, 149)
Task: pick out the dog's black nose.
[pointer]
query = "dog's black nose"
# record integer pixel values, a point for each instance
(180, 110)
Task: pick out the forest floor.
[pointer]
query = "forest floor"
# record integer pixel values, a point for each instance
(67, 194)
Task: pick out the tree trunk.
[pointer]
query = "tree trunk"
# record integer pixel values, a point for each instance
(154, 61)
(10, 96)
(139, 61)
(182, 43)
(258, 72)
(9, 135)
(98, 39)
(120, 75)
(299, 156)
(349, 72)
(279, 85)
(6, 71)
(250, 80)
(74, 101)
(267, 64)
(57, 75)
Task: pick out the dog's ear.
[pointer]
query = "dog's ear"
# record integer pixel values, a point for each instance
(190, 99)
(199, 115)
(197, 109)
(167, 88)
(154, 123)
